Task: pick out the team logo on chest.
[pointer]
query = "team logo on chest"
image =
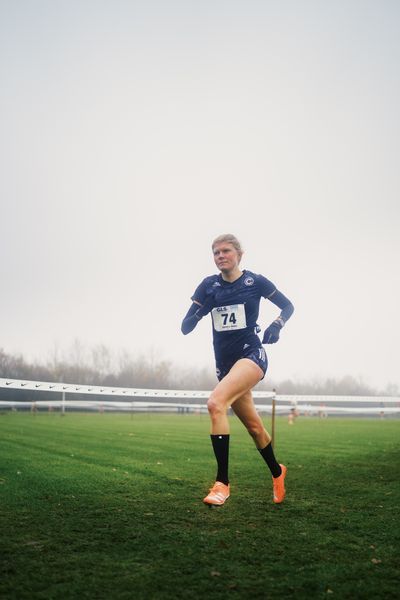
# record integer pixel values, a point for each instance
(249, 281)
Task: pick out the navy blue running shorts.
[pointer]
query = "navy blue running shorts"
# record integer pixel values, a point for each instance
(257, 355)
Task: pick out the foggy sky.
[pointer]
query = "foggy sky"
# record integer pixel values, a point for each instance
(134, 133)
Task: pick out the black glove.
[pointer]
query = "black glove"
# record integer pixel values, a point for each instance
(271, 334)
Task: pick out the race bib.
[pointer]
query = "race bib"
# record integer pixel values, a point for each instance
(226, 318)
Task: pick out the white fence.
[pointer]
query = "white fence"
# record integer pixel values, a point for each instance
(136, 399)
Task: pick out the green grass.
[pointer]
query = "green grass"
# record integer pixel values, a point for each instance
(109, 506)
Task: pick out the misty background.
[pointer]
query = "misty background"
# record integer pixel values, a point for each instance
(134, 133)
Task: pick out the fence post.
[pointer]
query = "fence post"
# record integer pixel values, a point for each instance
(273, 419)
(63, 404)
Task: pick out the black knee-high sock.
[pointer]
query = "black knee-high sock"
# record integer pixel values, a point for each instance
(220, 444)
(268, 455)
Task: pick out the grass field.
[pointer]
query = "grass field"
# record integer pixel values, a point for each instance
(109, 506)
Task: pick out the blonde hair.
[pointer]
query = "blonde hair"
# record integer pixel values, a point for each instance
(229, 239)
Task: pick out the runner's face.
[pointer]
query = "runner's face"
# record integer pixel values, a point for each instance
(225, 256)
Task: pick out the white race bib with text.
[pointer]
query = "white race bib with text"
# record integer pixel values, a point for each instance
(227, 318)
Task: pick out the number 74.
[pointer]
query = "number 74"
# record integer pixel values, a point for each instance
(232, 318)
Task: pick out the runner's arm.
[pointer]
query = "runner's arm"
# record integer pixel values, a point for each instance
(271, 334)
(191, 319)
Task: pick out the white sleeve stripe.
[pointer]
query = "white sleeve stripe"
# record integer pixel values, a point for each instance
(272, 293)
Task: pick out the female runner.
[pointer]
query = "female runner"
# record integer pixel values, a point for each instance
(233, 298)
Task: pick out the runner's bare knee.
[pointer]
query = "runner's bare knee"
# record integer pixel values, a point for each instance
(216, 405)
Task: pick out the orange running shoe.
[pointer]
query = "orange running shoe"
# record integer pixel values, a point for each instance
(218, 494)
(279, 486)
